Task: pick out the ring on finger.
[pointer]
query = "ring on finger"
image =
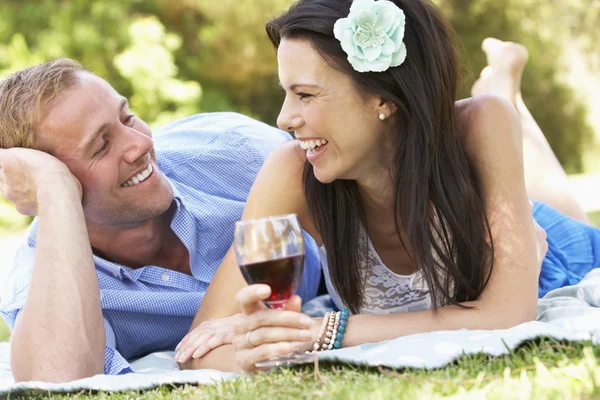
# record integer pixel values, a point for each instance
(248, 340)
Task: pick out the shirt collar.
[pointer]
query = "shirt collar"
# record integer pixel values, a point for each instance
(182, 223)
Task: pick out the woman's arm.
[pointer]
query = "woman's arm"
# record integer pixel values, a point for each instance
(277, 190)
(493, 143)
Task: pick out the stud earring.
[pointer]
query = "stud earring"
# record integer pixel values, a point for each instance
(382, 116)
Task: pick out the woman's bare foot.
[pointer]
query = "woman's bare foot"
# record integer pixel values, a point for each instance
(502, 76)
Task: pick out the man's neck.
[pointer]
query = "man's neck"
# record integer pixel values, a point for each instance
(150, 243)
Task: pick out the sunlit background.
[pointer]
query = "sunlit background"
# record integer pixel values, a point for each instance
(176, 58)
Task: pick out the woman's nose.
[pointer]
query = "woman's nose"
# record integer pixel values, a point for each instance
(289, 118)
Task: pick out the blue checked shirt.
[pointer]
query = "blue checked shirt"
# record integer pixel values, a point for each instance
(211, 161)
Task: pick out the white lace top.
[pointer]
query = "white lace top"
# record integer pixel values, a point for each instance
(385, 291)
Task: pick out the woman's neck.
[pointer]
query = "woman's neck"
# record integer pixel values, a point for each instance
(376, 192)
(377, 197)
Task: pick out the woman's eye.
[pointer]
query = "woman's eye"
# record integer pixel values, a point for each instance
(129, 118)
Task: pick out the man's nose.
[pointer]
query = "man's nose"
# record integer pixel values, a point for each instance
(138, 144)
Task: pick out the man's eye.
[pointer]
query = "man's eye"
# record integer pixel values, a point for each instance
(303, 96)
(101, 149)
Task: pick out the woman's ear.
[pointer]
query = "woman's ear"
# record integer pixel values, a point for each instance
(385, 108)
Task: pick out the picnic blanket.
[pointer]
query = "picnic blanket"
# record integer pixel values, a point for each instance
(570, 313)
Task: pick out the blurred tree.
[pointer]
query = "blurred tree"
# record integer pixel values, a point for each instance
(148, 64)
(92, 32)
(227, 51)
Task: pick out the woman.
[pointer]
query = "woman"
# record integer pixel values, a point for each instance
(418, 201)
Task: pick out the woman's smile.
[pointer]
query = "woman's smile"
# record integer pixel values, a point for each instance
(314, 148)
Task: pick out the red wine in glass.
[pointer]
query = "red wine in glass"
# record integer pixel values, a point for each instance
(271, 251)
(282, 275)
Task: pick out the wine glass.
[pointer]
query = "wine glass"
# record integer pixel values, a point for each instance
(271, 251)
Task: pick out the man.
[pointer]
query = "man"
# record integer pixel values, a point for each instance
(130, 229)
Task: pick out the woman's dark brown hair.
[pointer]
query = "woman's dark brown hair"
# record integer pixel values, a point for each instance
(437, 197)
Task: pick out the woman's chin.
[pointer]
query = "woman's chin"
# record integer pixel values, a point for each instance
(324, 177)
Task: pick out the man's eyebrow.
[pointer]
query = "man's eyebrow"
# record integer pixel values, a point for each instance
(87, 143)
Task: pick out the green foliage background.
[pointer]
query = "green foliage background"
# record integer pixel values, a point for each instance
(175, 58)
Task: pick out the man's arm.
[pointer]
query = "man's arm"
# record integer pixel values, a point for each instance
(59, 334)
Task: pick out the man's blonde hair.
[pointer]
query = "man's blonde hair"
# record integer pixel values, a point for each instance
(24, 96)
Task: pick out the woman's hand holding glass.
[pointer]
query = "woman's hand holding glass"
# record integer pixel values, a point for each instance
(264, 333)
(270, 253)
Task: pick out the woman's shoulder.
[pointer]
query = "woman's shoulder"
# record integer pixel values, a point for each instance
(484, 107)
(485, 110)
(488, 119)
(284, 168)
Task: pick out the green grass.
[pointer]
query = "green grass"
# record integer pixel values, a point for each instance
(542, 369)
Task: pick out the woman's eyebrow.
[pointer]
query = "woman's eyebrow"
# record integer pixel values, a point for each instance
(295, 86)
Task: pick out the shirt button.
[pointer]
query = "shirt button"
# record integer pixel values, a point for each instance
(165, 277)
(116, 274)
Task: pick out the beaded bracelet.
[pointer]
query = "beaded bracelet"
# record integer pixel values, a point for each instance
(327, 338)
(341, 329)
(332, 331)
(317, 344)
(333, 337)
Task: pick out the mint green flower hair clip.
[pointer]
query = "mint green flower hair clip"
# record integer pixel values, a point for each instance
(372, 35)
